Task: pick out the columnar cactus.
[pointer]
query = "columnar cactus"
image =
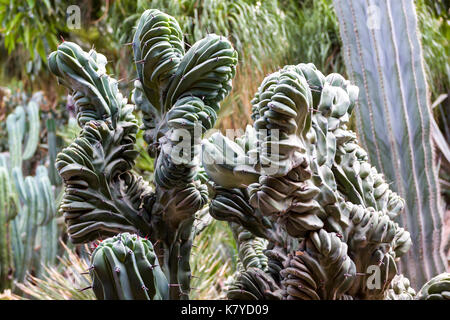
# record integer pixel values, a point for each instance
(179, 95)
(299, 179)
(28, 239)
(17, 123)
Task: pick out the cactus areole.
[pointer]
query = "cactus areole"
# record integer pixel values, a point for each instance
(313, 219)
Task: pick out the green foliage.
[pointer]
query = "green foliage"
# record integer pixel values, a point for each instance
(314, 29)
(53, 175)
(239, 21)
(105, 194)
(394, 119)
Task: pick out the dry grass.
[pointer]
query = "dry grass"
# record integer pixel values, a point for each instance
(8, 295)
(62, 282)
(212, 261)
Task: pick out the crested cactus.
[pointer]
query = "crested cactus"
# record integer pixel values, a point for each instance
(24, 124)
(179, 95)
(312, 217)
(437, 288)
(299, 179)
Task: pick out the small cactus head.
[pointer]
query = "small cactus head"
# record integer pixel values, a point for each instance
(125, 267)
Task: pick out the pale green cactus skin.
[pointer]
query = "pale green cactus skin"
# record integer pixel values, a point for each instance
(383, 57)
(7, 213)
(326, 212)
(29, 237)
(23, 117)
(438, 288)
(250, 248)
(321, 270)
(174, 91)
(400, 289)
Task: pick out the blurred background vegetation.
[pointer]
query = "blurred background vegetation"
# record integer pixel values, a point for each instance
(267, 35)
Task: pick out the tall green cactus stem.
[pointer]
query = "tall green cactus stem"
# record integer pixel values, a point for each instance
(54, 177)
(394, 118)
(29, 236)
(23, 123)
(400, 289)
(7, 213)
(179, 96)
(36, 214)
(302, 182)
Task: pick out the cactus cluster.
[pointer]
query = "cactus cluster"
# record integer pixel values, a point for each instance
(299, 179)
(312, 217)
(29, 235)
